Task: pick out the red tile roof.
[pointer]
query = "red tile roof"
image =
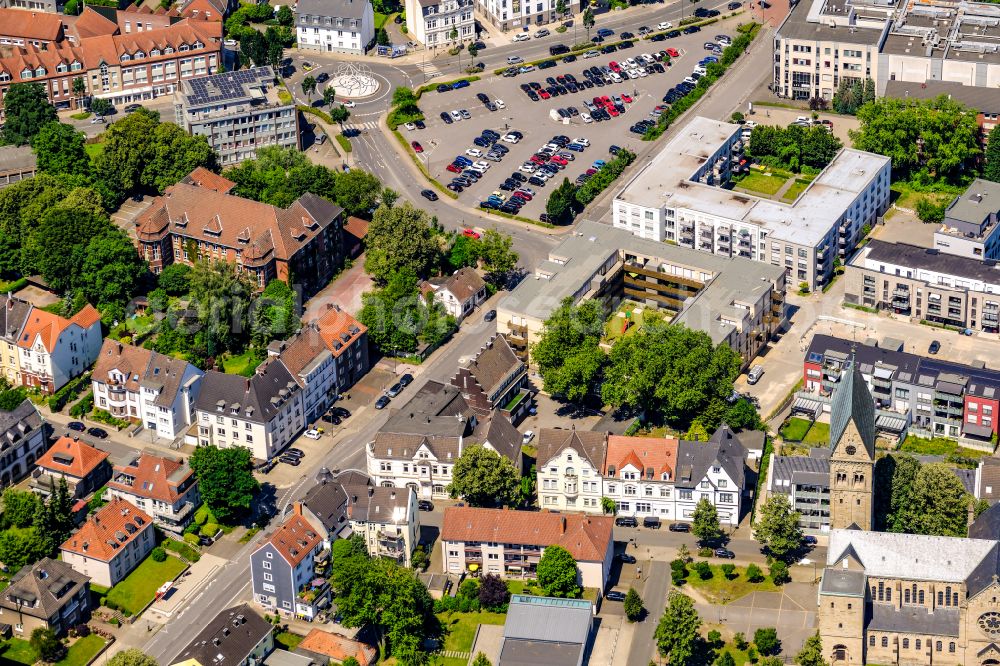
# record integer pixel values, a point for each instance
(295, 539)
(644, 453)
(339, 330)
(585, 537)
(72, 457)
(109, 531)
(24, 24)
(152, 477)
(91, 23)
(202, 177)
(337, 647)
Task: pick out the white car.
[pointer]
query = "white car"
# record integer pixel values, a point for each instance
(585, 117)
(499, 104)
(527, 167)
(521, 37)
(349, 104)
(510, 138)
(526, 190)
(472, 167)
(631, 63)
(514, 60)
(474, 152)
(642, 72)
(544, 175)
(551, 147)
(581, 141)
(590, 54)
(615, 77)
(482, 164)
(410, 126)
(312, 433)
(700, 70)
(527, 436)
(664, 25)
(456, 115)
(648, 59)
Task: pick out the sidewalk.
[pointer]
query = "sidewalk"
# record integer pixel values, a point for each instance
(185, 588)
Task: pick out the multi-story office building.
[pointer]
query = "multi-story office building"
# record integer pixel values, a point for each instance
(917, 394)
(970, 226)
(431, 22)
(922, 283)
(347, 26)
(237, 112)
(681, 197)
(737, 301)
(515, 14)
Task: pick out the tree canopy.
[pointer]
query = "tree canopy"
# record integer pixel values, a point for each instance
(778, 529)
(483, 477)
(401, 238)
(793, 147)
(132, 657)
(557, 573)
(398, 316)
(568, 354)
(27, 110)
(852, 94)
(59, 150)
(991, 170)
(811, 653)
(937, 503)
(705, 522)
(677, 633)
(225, 479)
(221, 296)
(278, 176)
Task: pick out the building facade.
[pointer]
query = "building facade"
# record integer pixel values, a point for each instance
(283, 569)
(569, 469)
(347, 340)
(236, 636)
(237, 112)
(495, 378)
(346, 26)
(460, 293)
(165, 488)
(312, 365)
(517, 14)
(22, 441)
(970, 226)
(14, 314)
(53, 350)
(84, 468)
(113, 542)
(48, 594)
(431, 22)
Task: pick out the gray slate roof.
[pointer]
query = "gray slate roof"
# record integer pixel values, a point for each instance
(43, 588)
(238, 630)
(810, 470)
(910, 556)
(520, 652)
(930, 259)
(548, 619)
(334, 8)
(987, 525)
(723, 449)
(18, 423)
(853, 402)
(251, 395)
(914, 620)
(843, 582)
(13, 313)
(351, 496)
(593, 446)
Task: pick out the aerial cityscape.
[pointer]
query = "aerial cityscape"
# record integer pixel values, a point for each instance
(346, 332)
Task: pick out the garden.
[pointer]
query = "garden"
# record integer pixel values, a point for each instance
(727, 582)
(133, 594)
(80, 652)
(811, 433)
(629, 318)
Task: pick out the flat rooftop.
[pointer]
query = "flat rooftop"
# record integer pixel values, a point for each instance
(666, 182)
(817, 20)
(227, 93)
(926, 259)
(982, 99)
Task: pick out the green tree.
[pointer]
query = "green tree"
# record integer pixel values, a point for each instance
(483, 477)
(20, 507)
(588, 20)
(400, 238)
(329, 95)
(561, 7)
(496, 250)
(991, 170)
(766, 640)
(778, 529)
(473, 52)
(779, 572)
(981, 506)
(894, 480)
(938, 503)
(438, 324)
(21, 546)
(632, 605)
(559, 207)
(309, 86)
(79, 88)
(930, 212)
(59, 150)
(608, 505)
(481, 660)
(60, 233)
(175, 279)
(274, 315)
(358, 192)
(285, 16)
(54, 520)
(27, 110)
(725, 659)
(279, 176)
(100, 106)
(754, 574)
(677, 633)
(557, 573)
(111, 273)
(493, 592)
(705, 522)
(728, 570)
(340, 114)
(382, 37)
(568, 355)
(742, 415)
(403, 96)
(47, 645)
(254, 46)
(133, 657)
(221, 296)
(350, 661)
(697, 432)
(811, 653)
(464, 252)
(225, 479)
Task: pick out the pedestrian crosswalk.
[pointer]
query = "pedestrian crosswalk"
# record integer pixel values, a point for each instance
(428, 68)
(371, 124)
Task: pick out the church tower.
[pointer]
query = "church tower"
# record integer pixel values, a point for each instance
(852, 452)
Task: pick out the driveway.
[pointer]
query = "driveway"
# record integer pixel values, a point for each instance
(344, 291)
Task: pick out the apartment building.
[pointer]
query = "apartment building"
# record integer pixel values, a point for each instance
(511, 543)
(263, 413)
(113, 542)
(84, 467)
(237, 112)
(970, 226)
(681, 197)
(13, 316)
(431, 22)
(925, 284)
(736, 301)
(283, 569)
(146, 387)
(913, 394)
(165, 488)
(22, 441)
(308, 360)
(345, 26)
(518, 14)
(347, 340)
(120, 68)
(199, 218)
(34, 5)
(569, 468)
(48, 594)
(805, 482)
(495, 378)
(236, 636)
(53, 350)
(420, 443)
(19, 27)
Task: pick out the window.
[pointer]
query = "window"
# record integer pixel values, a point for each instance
(951, 647)
(268, 577)
(267, 565)
(268, 587)
(871, 641)
(885, 641)
(906, 643)
(916, 643)
(725, 498)
(685, 494)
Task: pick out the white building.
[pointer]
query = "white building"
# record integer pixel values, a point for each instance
(146, 387)
(678, 197)
(263, 413)
(165, 488)
(460, 292)
(514, 14)
(313, 366)
(347, 26)
(431, 21)
(112, 543)
(52, 350)
(569, 469)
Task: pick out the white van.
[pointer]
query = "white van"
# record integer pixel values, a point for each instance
(755, 374)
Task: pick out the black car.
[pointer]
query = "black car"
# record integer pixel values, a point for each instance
(99, 433)
(627, 44)
(725, 553)
(76, 425)
(331, 418)
(680, 527)
(610, 48)
(569, 58)
(658, 37)
(626, 521)
(420, 124)
(443, 88)
(425, 505)
(406, 380)
(204, 540)
(508, 186)
(429, 195)
(518, 176)
(701, 12)
(382, 402)
(132, 107)
(490, 315)
(322, 78)
(734, 5)
(625, 558)
(614, 150)
(614, 595)
(342, 412)
(536, 181)
(671, 34)
(809, 540)
(651, 523)
(482, 97)
(289, 460)
(546, 64)
(446, 118)
(626, 35)
(297, 453)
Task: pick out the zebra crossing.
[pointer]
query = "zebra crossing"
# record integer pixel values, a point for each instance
(428, 68)
(371, 124)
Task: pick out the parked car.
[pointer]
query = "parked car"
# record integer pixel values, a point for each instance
(430, 195)
(809, 540)
(614, 595)
(527, 436)
(625, 558)
(290, 460)
(312, 433)
(99, 433)
(680, 527)
(626, 521)
(382, 402)
(425, 505)
(934, 348)
(394, 390)
(490, 316)
(651, 523)
(725, 553)
(76, 426)
(756, 371)
(406, 380)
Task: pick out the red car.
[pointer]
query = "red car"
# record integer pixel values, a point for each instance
(543, 94)
(591, 172)
(611, 110)
(417, 148)
(470, 233)
(539, 158)
(615, 67)
(454, 168)
(673, 53)
(560, 161)
(606, 101)
(521, 196)
(627, 99)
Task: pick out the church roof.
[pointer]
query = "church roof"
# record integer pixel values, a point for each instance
(853, 402)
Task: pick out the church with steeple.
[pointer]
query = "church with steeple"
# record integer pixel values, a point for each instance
(852, 452)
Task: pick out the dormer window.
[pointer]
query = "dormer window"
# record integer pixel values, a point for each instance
(126, 57)
(199, 45)
(184, 47)
(25, 73)
(4, 76)
(154, 53)
(139, 54)
(168, 50)
(40, 71)
(61, 67)
(76, 67)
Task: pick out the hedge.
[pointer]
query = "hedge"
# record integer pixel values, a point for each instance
(83, 406)
(604, 177)
(500, 213)
(184, 550)
(319, 113)
(70, 391)
(344, 143)
(15, 285)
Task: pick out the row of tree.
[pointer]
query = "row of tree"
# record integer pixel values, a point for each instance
(34, 528)
(793, 147)
(916, 498)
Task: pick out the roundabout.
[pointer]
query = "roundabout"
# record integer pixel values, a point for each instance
(354, 81)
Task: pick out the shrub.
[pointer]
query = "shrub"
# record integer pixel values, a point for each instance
(728, 570)
(766, 640)
(740, 641)
(779, 572)
(705, 551)
(469, 588)
(201, 517)
(715, 638)
(703, 569)
(158, 554)
(209, 529)
(754, 574)
(82, 630)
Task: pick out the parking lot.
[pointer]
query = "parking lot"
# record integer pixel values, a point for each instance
(538, 122)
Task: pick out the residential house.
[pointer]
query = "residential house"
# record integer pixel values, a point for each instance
(420, 443)
(113, 542)
(52, 349)
(48, 594)
(91, 23)
(495, 378)
(324, 647)
(518, 15)
(84, 467)
(163, 487)
(237, 636)
(715, 470)
(14, 314)
(569, 468)
(345, 26)
(431, 21)
(198, 218)
(283, 569)
(29, 28)
(355, 231)
(313, 366)
(144, 386)
(263, 413)
(545, 630)
(22, 441)
(460, 292)
(639, 475)
(510, 543)
(349, 503)
(347, 340)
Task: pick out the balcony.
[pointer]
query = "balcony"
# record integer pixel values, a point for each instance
(571, 488)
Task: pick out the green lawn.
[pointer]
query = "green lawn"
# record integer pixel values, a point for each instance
(244, 364)
(818, 435)
(140, 586)
(638, 315)
(140, 325)
(516, 400)
(93, 149)
(794, 429)
(17, 651)
(907, 197)
(460, 628)
(939, 446)
(796, 188)
(286, 640)
(720, 590)
(380, 20)
(83, 115)
(760, 183)
(82, 651)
